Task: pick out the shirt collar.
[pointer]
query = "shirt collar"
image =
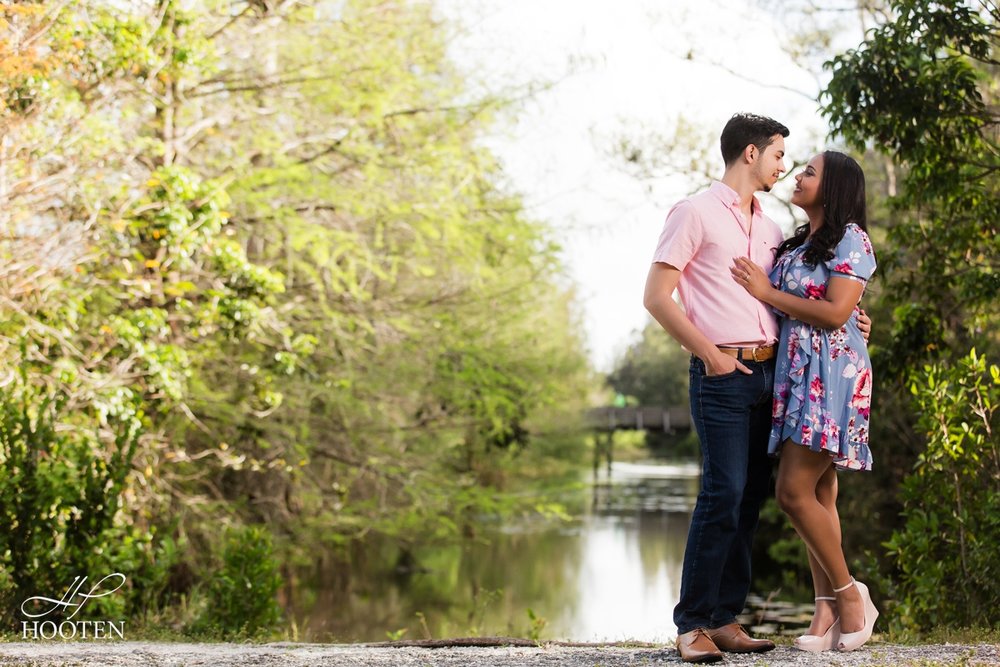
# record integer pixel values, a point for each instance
(731, 198)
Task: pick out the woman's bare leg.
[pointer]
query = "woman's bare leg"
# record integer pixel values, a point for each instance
(799, 477)
(826, 610)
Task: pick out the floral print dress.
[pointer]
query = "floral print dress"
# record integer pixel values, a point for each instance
(823, 377)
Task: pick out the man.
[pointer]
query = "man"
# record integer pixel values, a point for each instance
(733, 338)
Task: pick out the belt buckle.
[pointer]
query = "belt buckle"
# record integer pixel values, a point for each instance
(753, 354)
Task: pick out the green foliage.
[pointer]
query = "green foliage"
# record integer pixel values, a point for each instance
(300, 269)
(946, 551)
(536, 625)
(168, 251)
(653, 371)
(447, 359)
(922, 88)
(927, 59)
(242, 594)
(62, 489)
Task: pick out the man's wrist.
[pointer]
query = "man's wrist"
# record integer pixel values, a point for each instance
(712, 358)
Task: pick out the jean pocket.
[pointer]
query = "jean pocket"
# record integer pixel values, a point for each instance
(725, 376)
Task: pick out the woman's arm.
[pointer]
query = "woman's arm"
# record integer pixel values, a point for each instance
(830, 312)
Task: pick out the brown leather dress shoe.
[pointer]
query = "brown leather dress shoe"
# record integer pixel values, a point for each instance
(734, 639)
(696, 646)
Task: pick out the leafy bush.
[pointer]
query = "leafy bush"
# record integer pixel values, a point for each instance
(61, 490)
(242, 594)
(947, 552)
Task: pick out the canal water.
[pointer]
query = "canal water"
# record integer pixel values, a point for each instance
(609, 573)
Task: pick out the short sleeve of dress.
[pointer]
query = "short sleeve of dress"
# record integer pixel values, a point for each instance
(681, 236)
(853, 257)
(776, 281)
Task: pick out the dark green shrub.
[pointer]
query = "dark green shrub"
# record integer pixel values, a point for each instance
(242, 593)
(946, 553)
(61, 489)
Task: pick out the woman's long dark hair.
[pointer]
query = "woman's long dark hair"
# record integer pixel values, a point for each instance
(843, 192)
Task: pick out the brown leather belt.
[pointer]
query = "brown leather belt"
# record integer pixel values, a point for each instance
(762, 353)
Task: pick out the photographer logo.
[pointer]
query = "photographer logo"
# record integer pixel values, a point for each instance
(71, 603)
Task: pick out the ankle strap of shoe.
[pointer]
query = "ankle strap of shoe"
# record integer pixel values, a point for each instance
(845, 587)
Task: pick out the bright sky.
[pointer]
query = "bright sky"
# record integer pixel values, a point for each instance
(621, 67)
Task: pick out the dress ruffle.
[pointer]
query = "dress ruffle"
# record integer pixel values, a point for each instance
(800, 415)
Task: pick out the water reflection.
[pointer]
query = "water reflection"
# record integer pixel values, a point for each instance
(646, 487)
(633, 550)
(613, 573)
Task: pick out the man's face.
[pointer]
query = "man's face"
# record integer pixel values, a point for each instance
(770, 165)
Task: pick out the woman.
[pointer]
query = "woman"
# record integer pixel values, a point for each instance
(822, 388)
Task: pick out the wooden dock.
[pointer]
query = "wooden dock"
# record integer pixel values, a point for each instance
(640, 418)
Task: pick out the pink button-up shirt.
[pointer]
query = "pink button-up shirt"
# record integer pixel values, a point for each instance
(700, 237)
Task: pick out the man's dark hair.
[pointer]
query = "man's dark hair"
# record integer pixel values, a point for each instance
(744, 129)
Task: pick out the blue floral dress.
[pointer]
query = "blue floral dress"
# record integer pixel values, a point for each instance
(823, 377)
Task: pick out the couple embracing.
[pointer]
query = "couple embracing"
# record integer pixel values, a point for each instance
(779, 368)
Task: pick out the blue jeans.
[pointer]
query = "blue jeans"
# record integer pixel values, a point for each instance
(732, 415)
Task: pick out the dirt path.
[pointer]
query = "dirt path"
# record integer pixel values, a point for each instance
(147, 654)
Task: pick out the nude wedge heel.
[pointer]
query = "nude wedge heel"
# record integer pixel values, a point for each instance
(825, 642)
(850, 641)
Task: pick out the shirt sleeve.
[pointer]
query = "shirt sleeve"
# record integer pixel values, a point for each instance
(681, 236)
(853, 257)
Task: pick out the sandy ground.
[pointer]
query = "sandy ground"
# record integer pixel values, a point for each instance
(136, 654)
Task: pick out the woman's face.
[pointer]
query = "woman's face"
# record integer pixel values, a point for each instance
(807, 192)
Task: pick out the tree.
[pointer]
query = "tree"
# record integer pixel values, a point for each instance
(297, 271)
(116, 269)
(921, 89)
(654, 371)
